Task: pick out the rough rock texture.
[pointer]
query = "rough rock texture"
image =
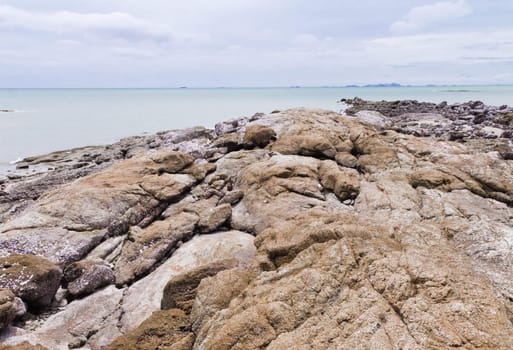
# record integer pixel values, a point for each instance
(180, 291)
(258, 135)
(163, 330)
(302, 229)
(85, 276)
(32, 278)
(7, 307)
(65, 224)
(39, 174)
(487, 128)
(99, 318)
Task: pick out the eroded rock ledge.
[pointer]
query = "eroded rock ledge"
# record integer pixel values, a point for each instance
(303, 229)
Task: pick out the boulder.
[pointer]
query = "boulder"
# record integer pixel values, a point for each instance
(85, 276)
(305, 145)
(7, 307)
(32, 278)
(213, 218)
(162, 330)
(344, 182)
(346, 159)
(258, 135)
(231, 141)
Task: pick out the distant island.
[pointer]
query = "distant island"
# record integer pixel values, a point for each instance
(375, 85)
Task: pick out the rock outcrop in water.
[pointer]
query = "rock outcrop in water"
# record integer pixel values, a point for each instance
(304, 229)
(487, 128)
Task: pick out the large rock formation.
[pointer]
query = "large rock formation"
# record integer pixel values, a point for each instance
(304, 229)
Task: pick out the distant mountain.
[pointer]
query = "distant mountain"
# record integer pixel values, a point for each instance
(376, 85)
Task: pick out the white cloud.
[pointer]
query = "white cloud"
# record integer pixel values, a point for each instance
(117, 25)
(421, 17)
(251, 42)
(444, 48)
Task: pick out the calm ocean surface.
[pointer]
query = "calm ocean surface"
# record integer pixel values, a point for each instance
(53, 119)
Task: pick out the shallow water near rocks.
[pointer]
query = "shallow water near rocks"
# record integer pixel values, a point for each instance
(46, 120)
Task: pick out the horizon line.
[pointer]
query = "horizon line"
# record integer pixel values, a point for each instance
(184, 87)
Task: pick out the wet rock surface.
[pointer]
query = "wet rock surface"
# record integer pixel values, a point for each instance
(301, 229)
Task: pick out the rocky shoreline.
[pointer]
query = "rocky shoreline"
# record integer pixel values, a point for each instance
(487, 128)
(388, 227)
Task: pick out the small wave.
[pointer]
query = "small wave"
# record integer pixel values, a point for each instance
(15, 161)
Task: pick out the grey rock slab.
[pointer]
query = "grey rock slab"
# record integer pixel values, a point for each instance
(81, 318)
(144, 296)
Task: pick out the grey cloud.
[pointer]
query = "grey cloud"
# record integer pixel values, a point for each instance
(111, 25)
(423, 16)
(252, 42)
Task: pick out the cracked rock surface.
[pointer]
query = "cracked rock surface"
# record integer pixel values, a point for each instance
(304, 229)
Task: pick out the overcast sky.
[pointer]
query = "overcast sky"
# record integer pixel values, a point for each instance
(171, 43)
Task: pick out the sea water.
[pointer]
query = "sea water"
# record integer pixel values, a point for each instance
(47, 120)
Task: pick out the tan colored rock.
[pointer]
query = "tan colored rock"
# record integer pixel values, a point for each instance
(211, 299)
(170, 162)
(163, 330)
(65, 224)
(232, 197)
(343, 182)
(433, 178)
(230, 141)
(32, 278)
(258, 135)
(305, 145)
(180, 291)
(140, 301)
(200, 170)
(213, 218)
(346, 159)
(145, 247)
(279, 189)
(22, 346)
(400, 242)
(7, 308)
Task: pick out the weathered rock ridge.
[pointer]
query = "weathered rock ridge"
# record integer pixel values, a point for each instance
(303, 229)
